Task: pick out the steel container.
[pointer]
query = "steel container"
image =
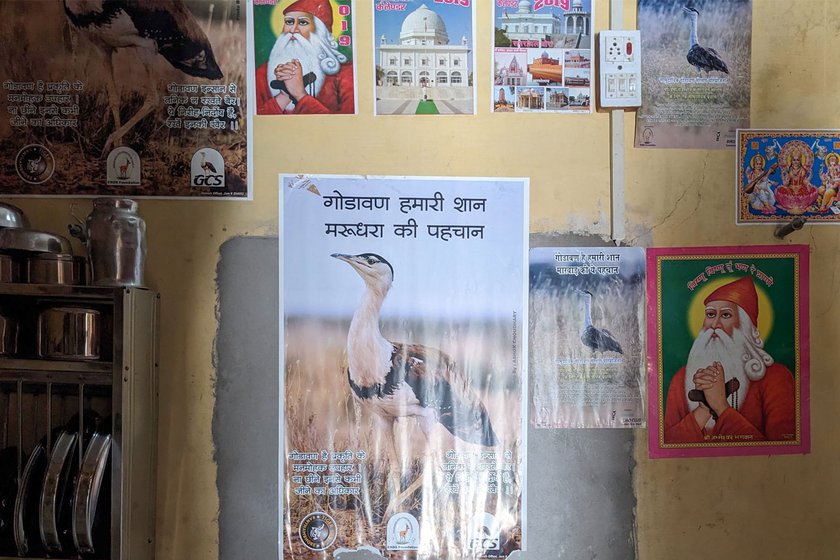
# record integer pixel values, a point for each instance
(9, 330)
(49, 268)
(9, 269)
(116, 237)
(69, 333)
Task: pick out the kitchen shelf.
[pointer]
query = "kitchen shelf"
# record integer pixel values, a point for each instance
(39, 396)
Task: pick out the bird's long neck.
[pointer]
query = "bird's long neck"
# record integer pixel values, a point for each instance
(693, 38)
(368, 352)
(587, 311)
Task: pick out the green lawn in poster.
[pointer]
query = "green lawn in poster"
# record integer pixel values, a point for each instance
(681, 320)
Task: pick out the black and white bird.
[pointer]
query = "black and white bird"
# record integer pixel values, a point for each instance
(399, 380)
(148, 27)
(703, 58)
(599, 340)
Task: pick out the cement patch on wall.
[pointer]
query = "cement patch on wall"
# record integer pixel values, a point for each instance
(579, 482)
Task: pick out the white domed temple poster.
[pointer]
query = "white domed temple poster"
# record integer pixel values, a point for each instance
(424, 57)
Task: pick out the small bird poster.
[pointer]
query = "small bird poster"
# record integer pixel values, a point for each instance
(424, 57)
(785, 174)
(586, 333)
(728, 351)
(131, 98)
(304, 57)
(696, 58)
(542, 56)
(404, 303)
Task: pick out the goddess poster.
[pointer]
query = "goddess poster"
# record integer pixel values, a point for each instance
(586, 323)
(542, 56)
(304, 56)
(404, 351)
(695, 73)
(728, 351)
(129, 99)
(787, 173)
(424, 57)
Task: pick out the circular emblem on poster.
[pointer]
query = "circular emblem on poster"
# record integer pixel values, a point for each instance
(317, 531)
(34, 164)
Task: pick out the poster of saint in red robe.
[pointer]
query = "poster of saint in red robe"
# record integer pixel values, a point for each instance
(304, 57)
(142, 99)
(728, 351)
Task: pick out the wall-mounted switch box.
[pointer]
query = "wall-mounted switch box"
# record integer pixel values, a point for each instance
(620, 68)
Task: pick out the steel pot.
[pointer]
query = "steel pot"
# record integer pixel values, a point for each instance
(51, 268)
(8, 335)
(9, 269)
(69, 333)
(12, 217)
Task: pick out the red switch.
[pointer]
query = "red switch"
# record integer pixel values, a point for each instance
(629, 48)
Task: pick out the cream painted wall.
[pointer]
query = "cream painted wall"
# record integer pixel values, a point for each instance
(757, 507)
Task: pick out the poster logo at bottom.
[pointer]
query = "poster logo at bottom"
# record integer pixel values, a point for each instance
(317, 531)
(207, 169)
(403, 532)
(34, 164)
(484, 533)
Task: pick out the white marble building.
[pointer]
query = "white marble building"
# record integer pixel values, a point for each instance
(546, 29)
(424, 57)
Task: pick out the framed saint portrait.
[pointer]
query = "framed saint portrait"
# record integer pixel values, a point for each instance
(728, 351)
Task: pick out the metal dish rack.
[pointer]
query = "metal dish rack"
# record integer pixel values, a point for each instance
(39, 396)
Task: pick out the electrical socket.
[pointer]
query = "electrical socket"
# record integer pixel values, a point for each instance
(620, 68)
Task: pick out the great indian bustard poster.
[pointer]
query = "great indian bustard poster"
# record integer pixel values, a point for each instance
(696, 69)
(404, 350)
(141, 99)
(586, 335)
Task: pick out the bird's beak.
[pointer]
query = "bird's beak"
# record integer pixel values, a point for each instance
(342, 257)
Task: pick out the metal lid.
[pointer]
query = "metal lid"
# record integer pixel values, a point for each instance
(12, 217)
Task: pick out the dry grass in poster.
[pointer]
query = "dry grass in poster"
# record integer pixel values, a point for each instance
(37, 43)
(322, 415)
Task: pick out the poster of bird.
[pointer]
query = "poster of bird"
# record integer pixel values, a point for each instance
(141, 98)
(404, 358)
(586, 332)
(696, 65)
(728, 350)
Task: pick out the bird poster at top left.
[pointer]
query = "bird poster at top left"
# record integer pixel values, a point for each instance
(128, 98)
(403, 358)
(303, 51)
(696, 65)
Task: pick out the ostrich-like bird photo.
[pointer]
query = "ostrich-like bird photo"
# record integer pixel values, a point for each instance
(598, 340)
(148, 28)
(703, 58)
(400, 380)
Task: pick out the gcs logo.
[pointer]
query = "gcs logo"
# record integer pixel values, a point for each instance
(207, 169)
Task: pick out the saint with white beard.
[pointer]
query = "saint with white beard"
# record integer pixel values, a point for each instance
(731, 389)
(306, 72)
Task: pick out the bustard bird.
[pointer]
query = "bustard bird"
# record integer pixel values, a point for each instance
(149, 27)
(599, 340)
(206, 165)
(398, 380)
(702, 58)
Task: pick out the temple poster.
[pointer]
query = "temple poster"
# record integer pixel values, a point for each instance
(424, 56)
(728, 351)
(586, 323)
(695, 73)
(785, 174)
(542, 56)
(156, 110)
(404, 352)
(304, 57)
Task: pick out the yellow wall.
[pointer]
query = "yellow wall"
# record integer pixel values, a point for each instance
(757, 507)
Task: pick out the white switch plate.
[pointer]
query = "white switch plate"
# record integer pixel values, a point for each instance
(620, 68)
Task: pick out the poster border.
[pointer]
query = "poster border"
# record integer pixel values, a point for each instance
(657, 449)
(523, 372)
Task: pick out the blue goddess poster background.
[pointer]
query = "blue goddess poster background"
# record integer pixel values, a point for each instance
(787, 173)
